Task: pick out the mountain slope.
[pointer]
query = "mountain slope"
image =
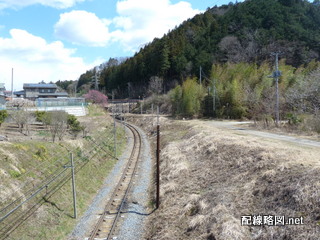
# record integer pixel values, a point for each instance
(242, 32)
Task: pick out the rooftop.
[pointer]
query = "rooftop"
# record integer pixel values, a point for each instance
(39, 85)
(60, 94)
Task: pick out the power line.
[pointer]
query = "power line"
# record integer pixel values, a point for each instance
(43, 185)
(61, 158)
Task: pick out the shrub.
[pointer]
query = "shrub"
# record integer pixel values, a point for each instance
(175, 97)
(187, 99)
(3, 116)
(14, 173)
(41, 152)
(293, 119)
(43, 117)
(74, 125)
(72, 120)
(40, 115)
(163, 101)
(315, 123)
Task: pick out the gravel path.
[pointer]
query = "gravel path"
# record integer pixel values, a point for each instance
(237, 126)
(136, 207)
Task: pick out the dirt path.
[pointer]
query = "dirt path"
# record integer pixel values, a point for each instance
(241, 130)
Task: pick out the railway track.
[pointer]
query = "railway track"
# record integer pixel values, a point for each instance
(107, 223)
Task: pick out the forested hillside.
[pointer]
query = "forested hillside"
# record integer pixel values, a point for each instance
(241, 32)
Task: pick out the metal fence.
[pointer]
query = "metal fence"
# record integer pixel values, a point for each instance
(57, 102)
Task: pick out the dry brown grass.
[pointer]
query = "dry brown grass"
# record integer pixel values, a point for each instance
(211, 177)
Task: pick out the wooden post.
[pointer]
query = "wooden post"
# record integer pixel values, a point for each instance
(158, 160)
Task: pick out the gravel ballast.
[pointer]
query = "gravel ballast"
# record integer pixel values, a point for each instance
(135, 208)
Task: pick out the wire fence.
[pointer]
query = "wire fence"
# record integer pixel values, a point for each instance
(45, 102)
(47, 179)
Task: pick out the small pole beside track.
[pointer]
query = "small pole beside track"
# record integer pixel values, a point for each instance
(141, 107)
(152, 109)
(115, 134)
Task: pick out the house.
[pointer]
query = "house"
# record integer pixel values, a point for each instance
(17, 94)
(2, 88)
(2, 95)
(33, 91)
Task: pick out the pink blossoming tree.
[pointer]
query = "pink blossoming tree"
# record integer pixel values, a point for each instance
(96, 97)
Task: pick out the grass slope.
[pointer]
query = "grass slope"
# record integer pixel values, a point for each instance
(28, 164)
(210, 178)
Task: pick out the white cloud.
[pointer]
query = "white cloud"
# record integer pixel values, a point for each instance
(140, 21)
(33, 60)
(51, 3)
(83, 28)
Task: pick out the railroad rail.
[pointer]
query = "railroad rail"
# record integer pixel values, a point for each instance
(107, 223)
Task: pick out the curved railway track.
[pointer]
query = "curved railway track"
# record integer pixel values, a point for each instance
(107, 223)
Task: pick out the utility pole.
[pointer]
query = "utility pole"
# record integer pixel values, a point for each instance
(200, 75)
(73, 186)
(114, 126)
(12, 84)
(123, 115)
(276, 74)
(75, 88)
(115, 135)
(214, 96)
(96, 79)
(158, 160)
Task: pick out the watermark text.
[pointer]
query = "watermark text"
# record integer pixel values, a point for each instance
(270, 220)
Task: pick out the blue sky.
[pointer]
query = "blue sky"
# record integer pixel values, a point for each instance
(55, 40)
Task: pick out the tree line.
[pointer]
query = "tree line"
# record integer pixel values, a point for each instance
(233, 33)
(247, 91)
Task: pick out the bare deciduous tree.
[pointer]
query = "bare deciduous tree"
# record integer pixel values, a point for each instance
(231, 46)
(156, 85)
(22, 117)
(20, 103)
(58, 124)
(304, 96)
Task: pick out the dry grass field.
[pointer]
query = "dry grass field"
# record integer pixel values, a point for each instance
(211, 177)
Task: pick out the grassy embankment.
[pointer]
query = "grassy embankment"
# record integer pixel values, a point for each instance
(211, 177)
(28, 164)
